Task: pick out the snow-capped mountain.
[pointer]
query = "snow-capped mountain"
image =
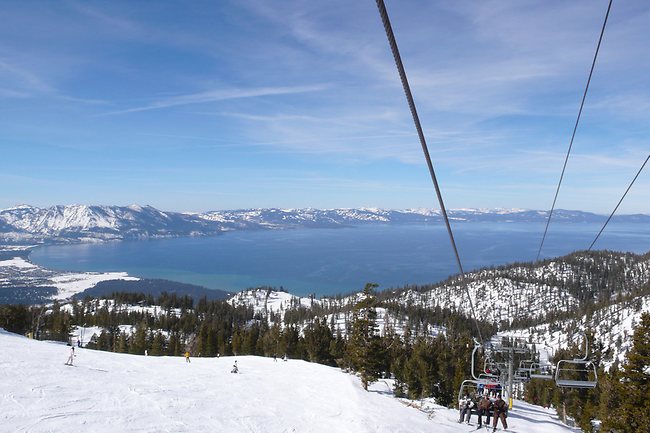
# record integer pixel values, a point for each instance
(81, 223)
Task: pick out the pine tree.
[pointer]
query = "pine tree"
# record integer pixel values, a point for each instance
(158, 344)
(174, 347)
(364, 347)
(104, 341)
(202, 340)
(337, 349)
(318, 338)
(632, 411)
(139, 339)
(290, 340)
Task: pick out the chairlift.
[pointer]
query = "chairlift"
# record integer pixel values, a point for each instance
(526, 365)
(488, 378)
(493, 369)
(538, 369)
(483, 383)
(521, 375)
(531, 369)
(541, 371)
(469, 387)
(577, 373)
(476, 388)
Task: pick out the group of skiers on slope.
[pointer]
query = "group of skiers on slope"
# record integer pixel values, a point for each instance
(235, 368)
(484, 407)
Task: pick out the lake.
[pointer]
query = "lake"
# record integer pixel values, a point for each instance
(340, 260)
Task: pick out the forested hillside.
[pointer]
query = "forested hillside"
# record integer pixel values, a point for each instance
(524, 294)
(420, 336)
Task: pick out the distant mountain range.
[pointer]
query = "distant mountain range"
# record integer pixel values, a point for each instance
(79, 223)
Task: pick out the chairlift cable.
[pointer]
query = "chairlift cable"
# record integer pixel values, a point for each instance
(575, 128)
(619, 203)
(425, 149)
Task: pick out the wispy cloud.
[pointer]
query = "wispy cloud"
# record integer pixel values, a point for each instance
(240, 84)
(25, 80)
(10, 93)
(220, 95)
(28, 84)
(488, 60)
(625, 105)
(118, 25)
(114, 23)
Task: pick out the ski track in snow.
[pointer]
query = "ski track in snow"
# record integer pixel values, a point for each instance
(109, 392)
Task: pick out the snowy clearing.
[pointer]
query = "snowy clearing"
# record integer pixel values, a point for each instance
(17, 262)
(109, 392)
(19, 271)
(69, 284)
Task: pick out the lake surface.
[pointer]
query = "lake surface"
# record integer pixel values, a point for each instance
(342, 260)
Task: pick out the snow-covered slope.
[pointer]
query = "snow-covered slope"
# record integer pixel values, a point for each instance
(108, 392)
(536, 290)
(273, 305)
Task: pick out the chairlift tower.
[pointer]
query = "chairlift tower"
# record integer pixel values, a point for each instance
(508, 348)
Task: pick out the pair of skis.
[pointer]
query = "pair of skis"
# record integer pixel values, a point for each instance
(485, 426)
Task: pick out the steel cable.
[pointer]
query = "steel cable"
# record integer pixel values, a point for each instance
(575, 128)
(425, 149)
(619, 203)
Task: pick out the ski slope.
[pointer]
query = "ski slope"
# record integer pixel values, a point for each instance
(109, 392)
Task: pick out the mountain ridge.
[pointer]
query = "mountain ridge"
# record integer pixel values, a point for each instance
(97, 223)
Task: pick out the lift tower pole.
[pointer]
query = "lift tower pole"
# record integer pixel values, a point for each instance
(511, 360)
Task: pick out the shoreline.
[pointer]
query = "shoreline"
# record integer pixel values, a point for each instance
(239, 262)
(25, 279)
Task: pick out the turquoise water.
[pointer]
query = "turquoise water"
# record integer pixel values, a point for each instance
(330, 261)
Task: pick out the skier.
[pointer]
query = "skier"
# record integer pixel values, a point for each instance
(275, 358)
(484, 407)
(500, 411)
(71, 357)
(187, 356)
(235, 369)
(465, 405)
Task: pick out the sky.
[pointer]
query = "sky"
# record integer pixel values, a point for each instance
(206, 105)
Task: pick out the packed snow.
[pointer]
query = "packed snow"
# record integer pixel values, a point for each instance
(109, 392)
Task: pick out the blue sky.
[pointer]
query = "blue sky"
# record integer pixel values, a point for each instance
(196, 106)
